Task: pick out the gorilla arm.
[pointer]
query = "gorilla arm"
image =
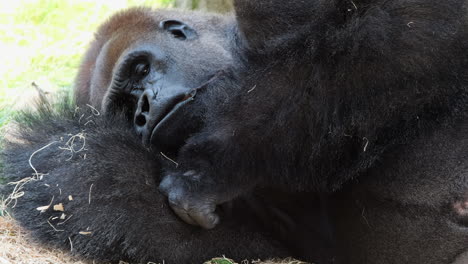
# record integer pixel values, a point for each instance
(309, 109)
(94, 191)
(261, 29)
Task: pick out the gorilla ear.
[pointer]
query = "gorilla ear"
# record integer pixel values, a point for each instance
(178, 29)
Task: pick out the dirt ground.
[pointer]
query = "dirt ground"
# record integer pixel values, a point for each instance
(17, 248)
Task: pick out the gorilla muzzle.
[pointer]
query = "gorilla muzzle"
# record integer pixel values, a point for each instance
(157, 107)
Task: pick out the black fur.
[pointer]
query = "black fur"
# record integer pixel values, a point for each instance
(363, 103)
(115, 211)
(368, 94)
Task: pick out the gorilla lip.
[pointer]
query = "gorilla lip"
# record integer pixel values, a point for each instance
(169, 114)
(171, 111)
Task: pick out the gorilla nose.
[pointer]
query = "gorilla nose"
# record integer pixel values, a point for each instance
(153, 108)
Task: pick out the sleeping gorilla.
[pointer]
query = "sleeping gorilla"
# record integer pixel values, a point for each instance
(365, 101)
(95, 167)
(374, 90)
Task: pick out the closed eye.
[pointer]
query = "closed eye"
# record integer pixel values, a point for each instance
(141, 70)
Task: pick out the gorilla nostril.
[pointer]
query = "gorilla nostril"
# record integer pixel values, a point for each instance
(145, 107)
(140, 120)
(143, 110)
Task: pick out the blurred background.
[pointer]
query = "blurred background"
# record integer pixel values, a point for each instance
(42, 41)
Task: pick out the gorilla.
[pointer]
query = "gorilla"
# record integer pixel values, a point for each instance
(85, 182)
(341, 124)
(364, 102)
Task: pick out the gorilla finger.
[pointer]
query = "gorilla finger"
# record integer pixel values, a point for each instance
(207, 220)
(182, 214)
(166, 184)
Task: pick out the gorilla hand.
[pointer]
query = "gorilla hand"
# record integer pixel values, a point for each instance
(194, 189)
(195, 208)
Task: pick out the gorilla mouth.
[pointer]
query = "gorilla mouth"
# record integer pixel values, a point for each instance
(156, 119)
(168, 121)
(170, 111)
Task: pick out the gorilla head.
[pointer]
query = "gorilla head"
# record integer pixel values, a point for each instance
(160, 61)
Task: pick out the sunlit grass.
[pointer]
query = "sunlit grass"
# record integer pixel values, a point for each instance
(43, 40)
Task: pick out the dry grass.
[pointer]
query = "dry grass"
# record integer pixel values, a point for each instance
(17, 248)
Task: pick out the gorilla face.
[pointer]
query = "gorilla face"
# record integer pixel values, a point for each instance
(166, 117)
(155, 94)
(150, 66)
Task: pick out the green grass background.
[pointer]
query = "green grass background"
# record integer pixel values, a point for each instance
(42, 41)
